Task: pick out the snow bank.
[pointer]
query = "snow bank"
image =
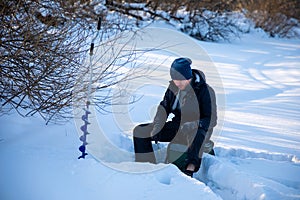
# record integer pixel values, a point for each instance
(258, 148)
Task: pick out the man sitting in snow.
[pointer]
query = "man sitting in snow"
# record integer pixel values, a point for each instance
(193, 103)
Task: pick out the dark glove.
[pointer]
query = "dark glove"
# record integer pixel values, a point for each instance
(188, 173)
(189, 126)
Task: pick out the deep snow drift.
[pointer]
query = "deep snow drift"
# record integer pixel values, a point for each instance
(258, 147)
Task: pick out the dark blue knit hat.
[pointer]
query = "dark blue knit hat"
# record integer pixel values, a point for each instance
(181, 69)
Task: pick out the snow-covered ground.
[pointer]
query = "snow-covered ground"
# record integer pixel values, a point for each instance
(257, 147)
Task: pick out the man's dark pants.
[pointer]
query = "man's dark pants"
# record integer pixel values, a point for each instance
(169, 133)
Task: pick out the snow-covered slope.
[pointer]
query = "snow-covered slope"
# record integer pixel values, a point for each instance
(258, 148)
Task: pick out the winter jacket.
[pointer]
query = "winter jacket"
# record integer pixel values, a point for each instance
(199, 104)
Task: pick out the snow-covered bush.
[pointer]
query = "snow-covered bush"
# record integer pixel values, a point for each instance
(277, 25)
(278, 18)
(215, 20)
(214, 26)
(200, 23)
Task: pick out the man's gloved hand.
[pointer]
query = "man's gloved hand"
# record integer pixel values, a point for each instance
(189, 126)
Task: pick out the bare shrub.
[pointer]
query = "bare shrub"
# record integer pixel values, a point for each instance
(276, 17)
(43, 47)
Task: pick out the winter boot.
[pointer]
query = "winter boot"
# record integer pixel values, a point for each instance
(208, 148)
(177, 155)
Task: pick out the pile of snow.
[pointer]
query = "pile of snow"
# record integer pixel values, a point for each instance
(257, 150)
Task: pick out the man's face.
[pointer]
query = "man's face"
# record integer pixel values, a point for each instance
(181, 84)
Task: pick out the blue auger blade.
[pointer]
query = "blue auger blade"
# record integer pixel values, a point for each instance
(82, 148)
(84, 117)
(83, 128)
(82, 138)
(87, 111)
(83, 155)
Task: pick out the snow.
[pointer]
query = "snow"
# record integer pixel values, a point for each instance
(257, 142)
